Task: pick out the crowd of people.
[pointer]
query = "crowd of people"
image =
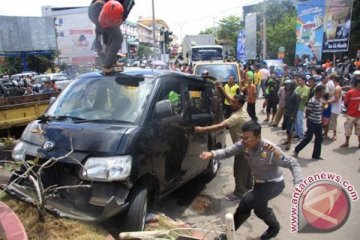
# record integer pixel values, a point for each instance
(289, 100)
(27, 86)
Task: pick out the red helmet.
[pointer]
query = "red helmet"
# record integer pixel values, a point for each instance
(111, 14)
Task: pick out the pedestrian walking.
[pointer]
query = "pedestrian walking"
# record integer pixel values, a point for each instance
(335, 107)
(265, 160)
(231, 89)
(280, 110)
(292, 101)
(352, 101)
(257, 80)
(314, 111)
(250, 90)
(234, 123)
(272, 97)
(303, 92)
(265, 74)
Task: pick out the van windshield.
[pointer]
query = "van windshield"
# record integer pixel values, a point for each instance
(221, 72)
(103, 99)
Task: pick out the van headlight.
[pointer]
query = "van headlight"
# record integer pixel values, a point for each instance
(18, 153)
(107, 168)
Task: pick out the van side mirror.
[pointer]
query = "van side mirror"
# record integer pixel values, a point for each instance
(52, 99)
(163, 109)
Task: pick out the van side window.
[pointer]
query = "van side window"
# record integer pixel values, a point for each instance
(199, 99)
(172, 92)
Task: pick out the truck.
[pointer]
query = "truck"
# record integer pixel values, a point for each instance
(18, 111)
(199, 48)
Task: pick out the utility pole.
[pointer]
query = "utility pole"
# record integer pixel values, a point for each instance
(154, 28)
(264, 29)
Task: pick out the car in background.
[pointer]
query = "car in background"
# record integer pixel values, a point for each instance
(19, 76)
(221, 71)
(277, 64)
(61, 80)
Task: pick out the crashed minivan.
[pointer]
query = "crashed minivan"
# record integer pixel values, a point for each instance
(121, 141)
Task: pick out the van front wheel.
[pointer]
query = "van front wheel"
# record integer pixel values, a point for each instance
(136, 214)
(212, 169)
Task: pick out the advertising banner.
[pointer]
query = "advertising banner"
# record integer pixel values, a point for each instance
(250, 33)
(240, 53)
(337, 23)
(309, 28)
(75, 35)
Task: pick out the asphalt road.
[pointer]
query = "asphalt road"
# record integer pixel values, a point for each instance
(200, 203)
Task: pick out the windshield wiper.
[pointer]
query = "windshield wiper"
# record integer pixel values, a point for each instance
(64, 117)
(102, 120)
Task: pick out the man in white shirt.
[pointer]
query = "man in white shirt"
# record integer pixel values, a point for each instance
(265, 74)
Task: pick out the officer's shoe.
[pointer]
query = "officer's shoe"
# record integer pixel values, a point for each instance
(274, 227)
(221, 237)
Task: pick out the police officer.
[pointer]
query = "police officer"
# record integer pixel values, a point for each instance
(264, 159)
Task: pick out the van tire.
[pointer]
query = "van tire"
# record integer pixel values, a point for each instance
(212, 168)
(137, 211)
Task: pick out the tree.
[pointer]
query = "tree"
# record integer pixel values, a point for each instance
(144, 50)
(41, 63)
(211, 30)
(12, 65)
(282, 34)
(227, 30)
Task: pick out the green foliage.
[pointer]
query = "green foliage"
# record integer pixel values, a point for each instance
(7, 142)
(144, 50)
(12, 65)
(208, 31)
(41, 63)
(227, 29)
(282, 34)
(37, 63)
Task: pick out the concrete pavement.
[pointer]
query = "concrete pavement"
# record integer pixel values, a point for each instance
(201, 204)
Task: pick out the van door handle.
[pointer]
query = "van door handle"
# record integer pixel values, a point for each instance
(188, 131)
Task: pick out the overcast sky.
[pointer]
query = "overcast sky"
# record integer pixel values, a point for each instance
(183, 16)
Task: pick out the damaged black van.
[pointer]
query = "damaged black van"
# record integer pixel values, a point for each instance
(120, 141)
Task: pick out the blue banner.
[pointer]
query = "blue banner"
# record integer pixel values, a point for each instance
(241, 53)
(309, 28)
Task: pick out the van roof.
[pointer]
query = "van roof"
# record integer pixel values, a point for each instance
(147, 73)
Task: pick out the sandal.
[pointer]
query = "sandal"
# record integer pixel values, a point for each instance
(344, 145)
(108, 71)
(287, 147)
(334, 138)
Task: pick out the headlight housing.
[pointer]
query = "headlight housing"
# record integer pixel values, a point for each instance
(18, 153)
(107, 168)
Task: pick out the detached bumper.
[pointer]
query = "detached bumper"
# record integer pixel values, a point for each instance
(100, 206)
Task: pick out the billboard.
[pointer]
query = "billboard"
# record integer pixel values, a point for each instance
(240, 51)
(75, 35)
(24, 34)
(250, 33)
(337, 23)
(309, 28)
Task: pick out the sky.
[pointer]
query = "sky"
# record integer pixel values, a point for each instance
(184, 17)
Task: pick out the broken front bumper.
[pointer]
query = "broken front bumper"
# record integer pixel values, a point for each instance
(96, 203)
